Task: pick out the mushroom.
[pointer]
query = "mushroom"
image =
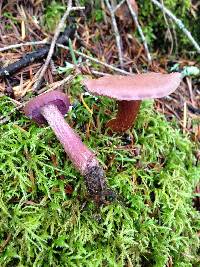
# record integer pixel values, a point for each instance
(50, 108)
(129, 91)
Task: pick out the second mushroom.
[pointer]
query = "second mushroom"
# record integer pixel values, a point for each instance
(50, 108)
(129, 91)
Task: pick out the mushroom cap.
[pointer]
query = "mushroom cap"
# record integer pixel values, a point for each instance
(136, 87)
(33, 107)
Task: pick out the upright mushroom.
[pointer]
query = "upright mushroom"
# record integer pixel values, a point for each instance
(50, 108)
(129, 91)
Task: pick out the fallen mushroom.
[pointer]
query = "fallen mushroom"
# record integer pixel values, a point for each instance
(129, 91)
(50, 108)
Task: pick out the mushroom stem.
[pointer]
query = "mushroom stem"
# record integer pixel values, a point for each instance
(83, 159)
(79, 154)
(126, 115)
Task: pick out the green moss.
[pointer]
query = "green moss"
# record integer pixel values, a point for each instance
(52, 14)
(152, 219)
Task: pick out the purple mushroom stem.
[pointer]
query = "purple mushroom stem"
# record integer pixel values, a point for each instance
(50, 108)
(82, 158)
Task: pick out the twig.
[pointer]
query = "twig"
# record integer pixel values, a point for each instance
(104, 13)
(3, 49)
(52, 46)
(184, 116)
(169, 33)
(24, 61)
(36, 55)
(175, 37)
(53, 43)
(57, 84)
(189, 83)
(15, 102)
(179, 24)
(99, 73)
(118, 6)
(85, 56)
(85, 105)
(5, 242)
(97, 61)
(116, 31)
(72, 53)
(135, 19)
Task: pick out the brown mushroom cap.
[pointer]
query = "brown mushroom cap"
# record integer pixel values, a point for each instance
(137, 87)
(33, 107)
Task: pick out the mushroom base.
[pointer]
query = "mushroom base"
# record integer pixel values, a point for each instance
(97, 187)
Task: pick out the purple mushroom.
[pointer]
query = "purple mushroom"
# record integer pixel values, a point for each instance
(129, 91)
(50, 108)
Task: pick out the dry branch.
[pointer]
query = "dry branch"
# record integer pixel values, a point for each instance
(53, 43)
(135, 18)
(116, 31)
(34, 56)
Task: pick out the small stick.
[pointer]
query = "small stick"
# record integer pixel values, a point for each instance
(23, 62)
(179, 23)
(97, 61)
(5, 242)
(184, 117)
(4, 119)
(3, 49)
(59, 44)
(68, 32)
(53, 43)
(99, 73)
(135, 19)
(189, 83)
(85, 105)
(52, 46)
(118, 6)
(168, 32)
(194, 110)
(34, 56)
(57, 84)
(116, 31)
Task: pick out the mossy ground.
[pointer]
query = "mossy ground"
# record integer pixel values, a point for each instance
(47, 225)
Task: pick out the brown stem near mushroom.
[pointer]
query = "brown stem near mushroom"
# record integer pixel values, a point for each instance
(122, 123)
(51, 108)
(129, 91)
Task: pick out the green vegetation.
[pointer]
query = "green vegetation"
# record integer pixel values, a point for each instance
(53, 14)
(8, 16)
(55, 9)
(46, 225)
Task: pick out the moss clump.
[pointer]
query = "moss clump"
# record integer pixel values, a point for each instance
(52, 14)
(42, 223)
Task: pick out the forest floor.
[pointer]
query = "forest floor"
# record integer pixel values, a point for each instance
(47, 216)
